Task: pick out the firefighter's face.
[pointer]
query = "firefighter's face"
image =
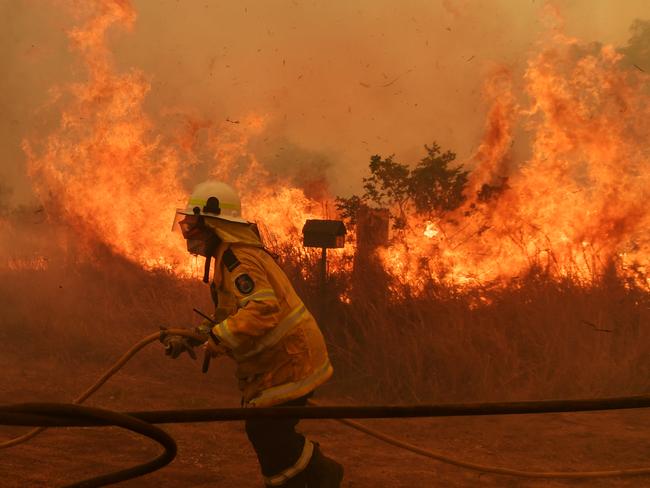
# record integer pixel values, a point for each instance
(196, 246)
(196, 234)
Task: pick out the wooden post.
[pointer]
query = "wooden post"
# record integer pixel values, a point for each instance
(323, 268)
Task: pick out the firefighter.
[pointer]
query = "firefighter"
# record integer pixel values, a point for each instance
(263, 325)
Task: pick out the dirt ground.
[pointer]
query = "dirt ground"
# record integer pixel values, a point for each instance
(217, 454)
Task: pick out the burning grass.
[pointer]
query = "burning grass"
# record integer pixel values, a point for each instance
(569, 193)
(539, 337)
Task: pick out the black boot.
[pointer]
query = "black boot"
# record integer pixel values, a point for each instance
(298, 481)
(323, 472)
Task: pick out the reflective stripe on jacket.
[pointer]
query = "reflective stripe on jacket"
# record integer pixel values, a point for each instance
(279, 349)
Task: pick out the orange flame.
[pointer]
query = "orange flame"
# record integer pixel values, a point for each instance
(107, 168)
(572, 206)
(576, 205)
(104, 165)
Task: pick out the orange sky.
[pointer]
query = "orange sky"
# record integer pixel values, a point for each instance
(339, 81)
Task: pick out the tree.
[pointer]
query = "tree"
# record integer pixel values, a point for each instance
(431, 188)
(388, 186)
(435, 187)
(349, 207)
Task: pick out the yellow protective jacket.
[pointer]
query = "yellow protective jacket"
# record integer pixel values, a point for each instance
(278, 347)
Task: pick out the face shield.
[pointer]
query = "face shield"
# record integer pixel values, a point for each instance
(194, 231)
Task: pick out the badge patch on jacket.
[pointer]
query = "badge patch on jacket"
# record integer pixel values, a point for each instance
(244, 283)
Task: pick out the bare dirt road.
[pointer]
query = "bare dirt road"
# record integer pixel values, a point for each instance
(217, 454)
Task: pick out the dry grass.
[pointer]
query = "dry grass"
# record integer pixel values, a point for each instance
(538, 338)
(77, 311)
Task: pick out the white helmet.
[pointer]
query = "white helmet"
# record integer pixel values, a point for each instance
(214, 199)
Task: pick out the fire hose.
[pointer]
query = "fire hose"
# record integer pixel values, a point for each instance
(44, 415)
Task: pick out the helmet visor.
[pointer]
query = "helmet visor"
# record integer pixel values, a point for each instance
(191, 226)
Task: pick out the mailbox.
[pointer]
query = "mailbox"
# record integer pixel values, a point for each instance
(326, 234)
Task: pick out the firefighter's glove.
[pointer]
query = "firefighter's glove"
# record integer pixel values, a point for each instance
(175, 345)
(215, 349)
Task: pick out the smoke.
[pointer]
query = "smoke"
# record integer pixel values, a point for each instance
(637, 49)
(336, 81)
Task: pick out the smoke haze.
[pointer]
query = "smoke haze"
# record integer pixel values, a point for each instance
(336, 81)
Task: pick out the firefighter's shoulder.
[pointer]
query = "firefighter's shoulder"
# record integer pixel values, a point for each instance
(245, 269)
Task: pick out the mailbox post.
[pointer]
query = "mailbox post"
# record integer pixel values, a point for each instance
(326, 234)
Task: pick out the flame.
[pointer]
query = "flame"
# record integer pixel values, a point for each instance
(104, 167)
(109, 171)
(570, 199)
(430, 231)
(575, 204)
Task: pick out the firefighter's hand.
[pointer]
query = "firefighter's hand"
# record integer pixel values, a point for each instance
(214, 349)
(175, 345)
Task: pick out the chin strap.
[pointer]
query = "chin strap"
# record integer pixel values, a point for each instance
(210, 248)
